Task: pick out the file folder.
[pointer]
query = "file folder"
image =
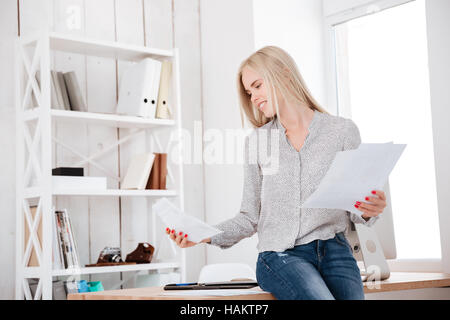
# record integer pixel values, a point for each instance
(139, 87)
(163, 109)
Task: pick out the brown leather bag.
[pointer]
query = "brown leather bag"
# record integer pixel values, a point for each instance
(142, 254)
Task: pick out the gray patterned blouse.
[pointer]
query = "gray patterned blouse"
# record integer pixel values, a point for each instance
(277, 179)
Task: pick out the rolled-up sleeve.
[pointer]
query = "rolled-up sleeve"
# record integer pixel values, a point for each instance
(352, 140)
(244, 224)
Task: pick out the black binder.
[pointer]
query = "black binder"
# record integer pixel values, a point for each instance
(211, 285)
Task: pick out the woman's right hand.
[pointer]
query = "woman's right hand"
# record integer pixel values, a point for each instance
(181, 239)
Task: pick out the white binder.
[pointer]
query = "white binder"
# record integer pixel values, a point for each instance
(163, 109)
(139, 86)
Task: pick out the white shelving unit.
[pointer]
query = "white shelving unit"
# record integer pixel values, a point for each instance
(34, 153)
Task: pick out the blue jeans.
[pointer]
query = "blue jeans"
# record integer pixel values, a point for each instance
(319, 270)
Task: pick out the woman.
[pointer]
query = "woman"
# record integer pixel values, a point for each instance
(303, 253)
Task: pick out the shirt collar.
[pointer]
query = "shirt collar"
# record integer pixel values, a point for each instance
(311, 127)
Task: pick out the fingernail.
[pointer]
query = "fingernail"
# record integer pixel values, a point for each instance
(367, 198)
(180, 233)
(374, 192)
(173, 231)
(356, 206)
(358, 203)
(185, 235)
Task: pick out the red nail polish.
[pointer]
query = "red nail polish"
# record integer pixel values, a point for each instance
(180, 233)
(374, 192)
(356, 206)
(367, 198)
(167, 229)
(358, 203)
(173, 231)
(185, 235)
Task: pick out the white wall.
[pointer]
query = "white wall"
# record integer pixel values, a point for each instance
(438, 24)
(295, 26)
(227, 39)
(8, 31)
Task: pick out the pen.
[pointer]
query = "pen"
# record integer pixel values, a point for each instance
(183, 284)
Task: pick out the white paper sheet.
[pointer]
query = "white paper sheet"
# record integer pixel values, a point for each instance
(212, 292)
(174, 218)
(353, 175)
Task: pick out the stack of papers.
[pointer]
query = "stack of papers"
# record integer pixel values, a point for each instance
(354, 174)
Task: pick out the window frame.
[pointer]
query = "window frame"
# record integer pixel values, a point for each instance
(396, 265)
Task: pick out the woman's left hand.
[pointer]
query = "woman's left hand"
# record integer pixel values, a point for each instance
(373, 206)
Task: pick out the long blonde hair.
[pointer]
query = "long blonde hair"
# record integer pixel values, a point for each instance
(279, 71)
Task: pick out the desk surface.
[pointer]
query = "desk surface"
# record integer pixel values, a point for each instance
(397, 281)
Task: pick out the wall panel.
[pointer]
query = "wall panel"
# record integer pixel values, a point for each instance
(8, 33)
(186, 15)
(104, 217)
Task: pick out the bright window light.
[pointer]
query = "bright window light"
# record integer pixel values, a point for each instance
(383, 85)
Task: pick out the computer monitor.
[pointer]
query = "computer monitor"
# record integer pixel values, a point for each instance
(373, 245)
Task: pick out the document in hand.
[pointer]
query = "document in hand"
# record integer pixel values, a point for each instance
(354, 174)
(174, 218)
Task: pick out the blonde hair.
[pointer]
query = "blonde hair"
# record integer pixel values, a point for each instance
(279, 71)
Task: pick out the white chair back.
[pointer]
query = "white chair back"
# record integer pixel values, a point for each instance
(226, 272)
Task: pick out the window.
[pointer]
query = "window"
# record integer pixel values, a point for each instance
(383, 85)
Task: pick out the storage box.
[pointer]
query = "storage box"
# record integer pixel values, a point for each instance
(68, 171)
(95, 286)
(90, 183)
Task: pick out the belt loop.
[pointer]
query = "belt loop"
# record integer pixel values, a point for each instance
(318, 250)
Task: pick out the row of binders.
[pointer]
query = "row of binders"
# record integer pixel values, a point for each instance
(65, 91)
(144, 89)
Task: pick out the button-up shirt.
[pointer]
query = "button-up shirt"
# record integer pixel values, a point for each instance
(278, 179)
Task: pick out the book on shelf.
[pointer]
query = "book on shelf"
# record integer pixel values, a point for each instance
(138, 172)
(74, 92)
(163, 108)
(139, 87)
(58, 262)
(64, 91)
(56, 90)
(157, 179)
(59, 98)
(55, 102)
(66, 251)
